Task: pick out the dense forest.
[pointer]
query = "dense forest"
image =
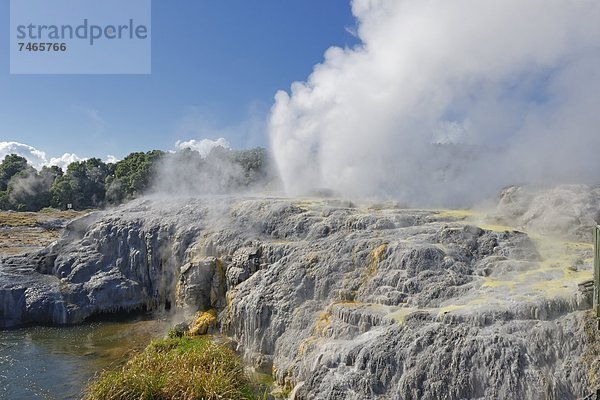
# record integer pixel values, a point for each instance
(95, 184)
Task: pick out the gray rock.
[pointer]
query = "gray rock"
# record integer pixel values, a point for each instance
(336, 300)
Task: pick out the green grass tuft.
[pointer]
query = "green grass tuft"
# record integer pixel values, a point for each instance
(186, 368)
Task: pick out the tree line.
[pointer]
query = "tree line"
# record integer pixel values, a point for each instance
(93, 183)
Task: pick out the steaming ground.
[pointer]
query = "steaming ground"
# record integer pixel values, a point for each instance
(341, 300)
(446, 102)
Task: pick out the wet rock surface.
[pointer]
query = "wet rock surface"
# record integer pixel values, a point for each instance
(336, 300)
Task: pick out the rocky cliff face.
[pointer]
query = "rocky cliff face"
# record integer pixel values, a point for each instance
(338, 301)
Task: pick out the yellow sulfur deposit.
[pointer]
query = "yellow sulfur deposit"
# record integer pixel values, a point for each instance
(203, 322)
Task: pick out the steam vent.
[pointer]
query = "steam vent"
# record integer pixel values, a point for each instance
(346, 301)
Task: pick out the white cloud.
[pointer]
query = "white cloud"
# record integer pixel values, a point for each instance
(203, 146)
(34, 156)
(64, 160)
(447, 101)
(37, 158)
(110, 159)
(247, 131)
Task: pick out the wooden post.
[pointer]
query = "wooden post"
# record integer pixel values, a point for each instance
(597, 273)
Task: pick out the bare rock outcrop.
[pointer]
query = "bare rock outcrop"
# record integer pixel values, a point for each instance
(336, 300)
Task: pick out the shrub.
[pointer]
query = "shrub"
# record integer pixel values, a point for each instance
(186, 368)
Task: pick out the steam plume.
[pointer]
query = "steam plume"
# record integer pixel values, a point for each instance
(445, 102)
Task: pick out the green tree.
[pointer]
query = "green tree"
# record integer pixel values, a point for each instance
(82, 185)
(116, 192)
(132, 176)
(254, 164)
(62, 192)
(29, 190)
(4, 203)
(93, 183)
(10, 166)
(52, 172)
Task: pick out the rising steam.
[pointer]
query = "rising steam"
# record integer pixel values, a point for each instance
(445, 102)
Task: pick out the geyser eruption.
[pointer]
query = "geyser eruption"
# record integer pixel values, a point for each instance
(445, 102)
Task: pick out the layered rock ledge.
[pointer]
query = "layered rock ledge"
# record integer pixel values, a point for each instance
(336, 300)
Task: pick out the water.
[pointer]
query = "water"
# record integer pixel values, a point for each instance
(56, 363)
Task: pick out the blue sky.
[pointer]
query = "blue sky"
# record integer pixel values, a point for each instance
(216, 66)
